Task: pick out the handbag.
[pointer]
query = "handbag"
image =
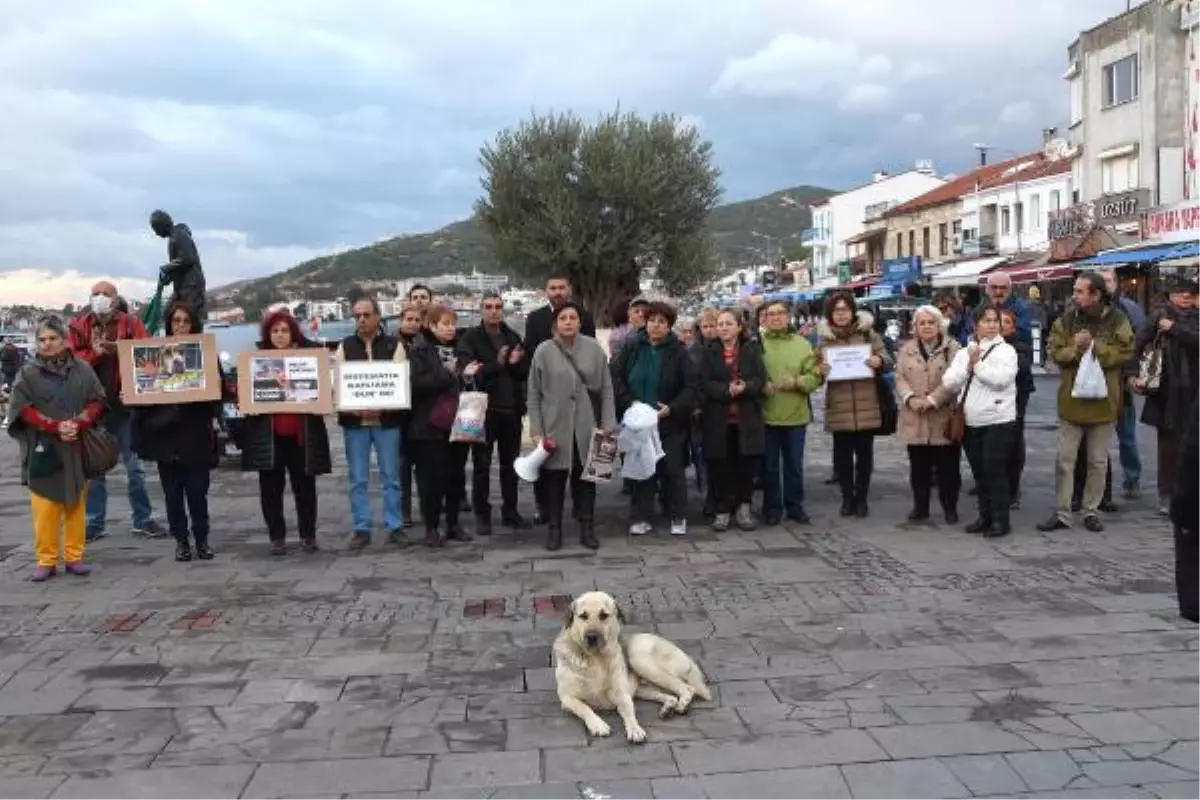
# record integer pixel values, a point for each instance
(956, 425)
(889, 414)
(593, 396)
(445, 409)
(44, 459)
(1150, 366)
(100, 452)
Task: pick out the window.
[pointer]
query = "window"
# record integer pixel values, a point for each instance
(957, 227)
(1035, 212)
(1076, 101)
(1119, 81)
(1055, 200)
(1019, 216)
(943, 240)
(1006, 220)
(1118, 174)
(912, 243)
(899, 245)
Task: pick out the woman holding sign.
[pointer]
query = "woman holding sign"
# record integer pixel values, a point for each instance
(852, 354)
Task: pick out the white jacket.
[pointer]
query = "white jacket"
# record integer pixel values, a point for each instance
(992, 398)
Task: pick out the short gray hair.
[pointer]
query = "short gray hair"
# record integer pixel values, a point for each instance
(490, 294)
(53, 323)
(685, 323)
(933, 311)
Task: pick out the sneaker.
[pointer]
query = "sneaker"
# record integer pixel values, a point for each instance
(799, 518)
(279, 548)
(1054, 523)
(639, 528)
(151, 530)
(1092, 523)
(42, 574)
(1164, 510)
(720, 522)
(1131, 491)
(95, 536)
(358, 541)
(745, 518)
(310, 545)
(679, 527)
(78, 568)
(397, 538)
(515, 521)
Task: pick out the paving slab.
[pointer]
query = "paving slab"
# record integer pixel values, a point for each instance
(845, 657)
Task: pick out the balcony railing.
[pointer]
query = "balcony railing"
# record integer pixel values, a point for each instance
(981, 246)
(810, 235)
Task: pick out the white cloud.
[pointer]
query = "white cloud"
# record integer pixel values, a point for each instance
(875, 66)
(915, 70)
(790, 65)
(865, 97)
(1019, 113)
(42, 287)
(913, 118)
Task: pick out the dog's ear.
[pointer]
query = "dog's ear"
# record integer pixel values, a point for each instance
(621, 616)
(570, 614)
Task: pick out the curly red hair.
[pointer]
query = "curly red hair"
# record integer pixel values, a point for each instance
(273, 319)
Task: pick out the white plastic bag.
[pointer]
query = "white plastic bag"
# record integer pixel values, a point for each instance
(469, 421)
(639, 443)
(1089, 380)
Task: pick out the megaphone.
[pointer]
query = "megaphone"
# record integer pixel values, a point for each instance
(528, 466)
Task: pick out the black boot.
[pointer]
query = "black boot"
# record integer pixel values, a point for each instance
(483, 524)
(587, 535)
(183, 550)
(847, 505)
(553, 537)
(861, 510)
(203, 551)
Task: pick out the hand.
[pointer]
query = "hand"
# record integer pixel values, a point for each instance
(516, 355)
(788, 384)
(451, 366)
(1166, 323)
(68, 430)
(502, 355)
(973, 356)
(736, 388)
(664, 411)
(1137, 385)
(875, 363)
(825, 368)
(472, 369)
(1083, 340)
(769, 389)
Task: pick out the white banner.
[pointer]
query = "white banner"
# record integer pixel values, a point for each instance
(373, 386)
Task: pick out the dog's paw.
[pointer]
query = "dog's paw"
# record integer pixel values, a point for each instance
(669, 707)
(684, 702)
(599, 728)
(635, 733)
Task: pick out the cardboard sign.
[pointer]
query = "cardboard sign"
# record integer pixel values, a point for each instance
(169, 369)
(373, 386)
(285, 382)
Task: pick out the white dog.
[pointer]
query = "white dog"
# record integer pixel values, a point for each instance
(591, 669)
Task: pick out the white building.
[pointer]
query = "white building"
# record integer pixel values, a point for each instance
(1128, 82)
(843, 215)
(1011, 210)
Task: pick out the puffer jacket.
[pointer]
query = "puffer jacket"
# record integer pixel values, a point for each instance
(853, 405)
(919, 377)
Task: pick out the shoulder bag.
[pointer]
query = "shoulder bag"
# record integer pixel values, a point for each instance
(593, 396)
(99, 451)
(956, 426)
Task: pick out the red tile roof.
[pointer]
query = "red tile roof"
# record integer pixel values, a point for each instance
(951, 191)
(1041, 168)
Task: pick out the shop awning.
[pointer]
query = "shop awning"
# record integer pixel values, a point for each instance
(1142, 254)
(866, 235)
(965, 273)
(1032, 273)
(852, 285)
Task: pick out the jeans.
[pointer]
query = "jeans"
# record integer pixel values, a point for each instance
(504, 433)
(185, 488)
(289, 465)
(387, 444)
(987, 449)
(1131, 460)
(120, 426)
(783, 472)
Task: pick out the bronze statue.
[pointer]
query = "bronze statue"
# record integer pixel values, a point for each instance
(182, 270)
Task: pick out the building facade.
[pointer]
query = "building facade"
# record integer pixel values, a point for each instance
(838, 223)
(1010, 212)
(1129, 84)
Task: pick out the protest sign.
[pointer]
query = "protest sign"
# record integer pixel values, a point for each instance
(285, 382)
(373, 386)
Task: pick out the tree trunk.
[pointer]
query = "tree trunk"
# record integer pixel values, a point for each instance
(600, 293)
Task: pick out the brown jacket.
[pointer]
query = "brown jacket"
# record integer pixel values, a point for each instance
(853, 405)
(918, 377)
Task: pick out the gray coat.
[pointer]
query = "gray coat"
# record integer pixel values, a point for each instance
(59, 392)
(559, 404)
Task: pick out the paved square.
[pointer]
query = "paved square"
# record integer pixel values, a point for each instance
(850, 658)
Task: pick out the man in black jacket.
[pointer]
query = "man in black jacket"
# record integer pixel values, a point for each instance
(182, 270)
(539, 327)
(11, 359)
(499, 349)
(1185, 513)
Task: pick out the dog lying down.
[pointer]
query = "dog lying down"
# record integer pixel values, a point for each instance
(595, 667)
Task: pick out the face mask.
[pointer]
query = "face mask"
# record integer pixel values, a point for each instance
(101, 304)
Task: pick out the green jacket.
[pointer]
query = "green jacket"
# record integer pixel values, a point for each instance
(1112, 338)
(789, 355)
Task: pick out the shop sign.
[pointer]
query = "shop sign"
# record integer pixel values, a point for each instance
(1111, 209)
(1178, 222)
(897, 270)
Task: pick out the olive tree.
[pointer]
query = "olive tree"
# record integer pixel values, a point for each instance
(601, 203)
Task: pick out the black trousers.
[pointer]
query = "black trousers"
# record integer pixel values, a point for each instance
(441, 480)
(987, 449)
(554, 493)
(928, 463)
(504, 434)
(185, 489)
(853, 463)
(289, 466)
(732, 477)
(1187, 573)
(406, 481)
(669, 478)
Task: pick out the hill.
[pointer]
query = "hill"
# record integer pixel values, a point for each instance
(463, 246)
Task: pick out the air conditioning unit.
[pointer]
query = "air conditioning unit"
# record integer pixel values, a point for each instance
(958, 242)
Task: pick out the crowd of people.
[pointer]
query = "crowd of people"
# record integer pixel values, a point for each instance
(733, 397)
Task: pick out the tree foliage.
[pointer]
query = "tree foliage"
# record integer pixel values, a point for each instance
(601, 203)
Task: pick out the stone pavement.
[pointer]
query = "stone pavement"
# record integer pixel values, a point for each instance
(850, 658)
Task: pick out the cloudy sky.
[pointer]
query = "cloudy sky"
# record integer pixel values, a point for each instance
(282, 129)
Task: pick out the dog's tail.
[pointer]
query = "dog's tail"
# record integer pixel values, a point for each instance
(695, 679)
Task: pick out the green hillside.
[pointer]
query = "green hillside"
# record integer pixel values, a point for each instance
(463, 246)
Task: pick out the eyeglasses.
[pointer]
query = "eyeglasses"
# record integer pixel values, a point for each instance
(776, 313)
(364, 314)
(493, 307)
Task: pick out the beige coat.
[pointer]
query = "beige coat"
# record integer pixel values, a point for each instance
(916, 377)
(853, 405)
